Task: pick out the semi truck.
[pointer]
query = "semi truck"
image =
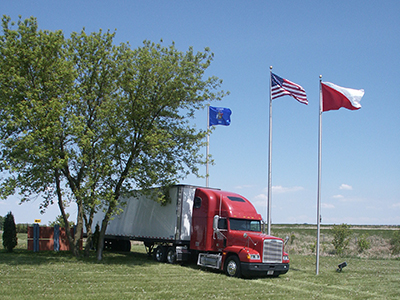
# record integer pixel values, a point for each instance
(218, 229)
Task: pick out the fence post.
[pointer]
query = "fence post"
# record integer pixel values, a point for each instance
(56, 237)
(36, 233)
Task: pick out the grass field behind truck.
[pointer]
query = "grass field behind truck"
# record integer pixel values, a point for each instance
(51, 275)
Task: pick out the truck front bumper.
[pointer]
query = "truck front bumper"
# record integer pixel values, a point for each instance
(260, 269)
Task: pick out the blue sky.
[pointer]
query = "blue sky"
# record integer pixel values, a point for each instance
(350, 43)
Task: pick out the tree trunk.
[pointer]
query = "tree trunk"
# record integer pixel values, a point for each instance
(62, 209)
(100, 246)
(110, 210)
(78, 232)
(89, 238)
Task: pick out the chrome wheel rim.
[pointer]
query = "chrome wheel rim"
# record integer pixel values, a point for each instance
(231, 268)
(159, 255)
(171, 256)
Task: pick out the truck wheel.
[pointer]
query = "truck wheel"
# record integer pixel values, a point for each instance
(171, 255)
(232, 266)
(160, 254)
(127, 246)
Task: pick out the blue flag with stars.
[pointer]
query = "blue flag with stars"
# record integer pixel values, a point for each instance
(219, 116)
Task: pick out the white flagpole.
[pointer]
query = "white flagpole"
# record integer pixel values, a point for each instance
(269, 199)
(319, 176)
(208, 143)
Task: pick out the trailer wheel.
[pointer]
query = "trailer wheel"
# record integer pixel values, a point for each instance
(160, 254)
(232, 266)
(127, 246)
(171, 255)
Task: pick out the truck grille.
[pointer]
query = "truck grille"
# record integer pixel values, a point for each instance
(272, 251)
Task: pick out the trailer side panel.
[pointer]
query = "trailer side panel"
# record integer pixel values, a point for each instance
(143, 218)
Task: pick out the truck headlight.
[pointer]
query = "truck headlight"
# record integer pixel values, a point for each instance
(253, 256)
(286, 257)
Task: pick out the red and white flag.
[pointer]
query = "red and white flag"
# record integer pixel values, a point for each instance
(335, 97)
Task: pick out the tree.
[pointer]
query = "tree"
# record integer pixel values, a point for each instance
(10, 239)
(36, 89)
(84, 120)
(96, 235)
(363, 243)
(60, 221)
(395, 243)
(341, 237)
(1, 222)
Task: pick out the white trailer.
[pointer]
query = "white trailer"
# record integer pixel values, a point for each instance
(144, 219)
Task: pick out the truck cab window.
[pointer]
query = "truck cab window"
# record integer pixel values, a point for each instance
(222, 224)
(245, 225)
(236, 199)
(197, 202)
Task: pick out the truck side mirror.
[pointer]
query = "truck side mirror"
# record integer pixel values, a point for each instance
(215, 223)
(287, 239)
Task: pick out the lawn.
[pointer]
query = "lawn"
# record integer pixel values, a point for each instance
(51, 275)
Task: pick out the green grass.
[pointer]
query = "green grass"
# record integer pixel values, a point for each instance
(50, 275)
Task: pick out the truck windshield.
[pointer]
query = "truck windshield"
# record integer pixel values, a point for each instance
(245, 225)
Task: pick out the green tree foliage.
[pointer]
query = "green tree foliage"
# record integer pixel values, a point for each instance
(22, 228)
(35, 91)
(395, 243)
(10, 239)
(1, 222)
(341, 237)
(84, 120)
(363, 243)
(60, 221)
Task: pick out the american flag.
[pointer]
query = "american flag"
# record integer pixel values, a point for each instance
(281, 87)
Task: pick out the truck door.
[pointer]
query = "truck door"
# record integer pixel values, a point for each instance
(199, 223)
(220, 235)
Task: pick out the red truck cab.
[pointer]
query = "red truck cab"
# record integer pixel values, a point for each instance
(226, 232)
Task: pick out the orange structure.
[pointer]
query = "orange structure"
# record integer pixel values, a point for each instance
(45, 238)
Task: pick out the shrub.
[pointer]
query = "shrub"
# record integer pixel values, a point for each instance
(292, 238)
(395, 243)
(341, 237)
(22, 228)
(10, 233)
(313, 247)
(96, 237)
(363, 243)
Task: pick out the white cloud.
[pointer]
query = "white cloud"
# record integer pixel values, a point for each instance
(327, 205)
(278, 189)
(260, 197)
(345, 187)
(338, 197)
(260, 200)
(396, 205)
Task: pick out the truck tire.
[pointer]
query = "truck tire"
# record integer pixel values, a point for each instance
(127, 246)
(160, 254)
(232, 266)
(171, 255)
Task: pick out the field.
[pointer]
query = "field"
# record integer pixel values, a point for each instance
(51, 275)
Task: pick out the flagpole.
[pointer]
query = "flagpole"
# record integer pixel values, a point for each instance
(319, 176)
(269, 199)
(208, 142)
